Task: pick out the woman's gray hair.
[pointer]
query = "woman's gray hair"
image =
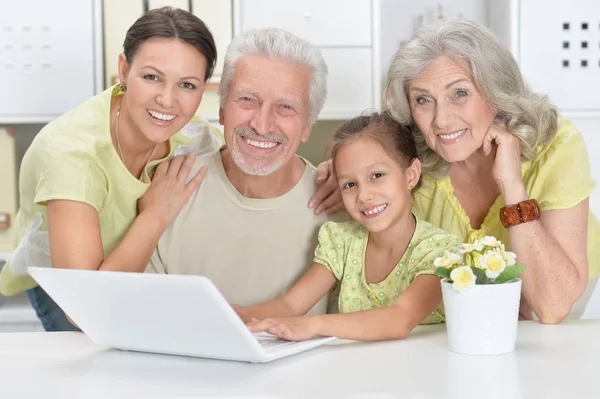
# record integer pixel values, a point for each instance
(282, 45)
(496, 75)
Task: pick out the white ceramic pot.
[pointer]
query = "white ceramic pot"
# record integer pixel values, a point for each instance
(483, 319)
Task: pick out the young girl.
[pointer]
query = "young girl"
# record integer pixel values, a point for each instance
(383, 259)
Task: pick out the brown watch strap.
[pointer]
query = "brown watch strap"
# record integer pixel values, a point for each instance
(523, 212)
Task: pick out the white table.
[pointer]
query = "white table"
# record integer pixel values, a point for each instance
(560, 361)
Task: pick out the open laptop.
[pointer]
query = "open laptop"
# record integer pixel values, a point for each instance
(168, 314)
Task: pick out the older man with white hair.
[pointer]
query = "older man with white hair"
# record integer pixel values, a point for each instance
(247, 227)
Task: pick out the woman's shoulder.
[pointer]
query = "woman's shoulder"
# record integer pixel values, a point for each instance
(559, 176)
(565, 152)
(81, 129)
(568, 139)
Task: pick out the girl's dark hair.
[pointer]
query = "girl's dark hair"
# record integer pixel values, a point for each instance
(168, 22)
(394, 137)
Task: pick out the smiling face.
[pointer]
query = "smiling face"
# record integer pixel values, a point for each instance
(449, 110)
(376, 187)
(164, 86)
(266, 113)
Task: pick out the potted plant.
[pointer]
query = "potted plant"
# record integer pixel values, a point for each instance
(481, 293)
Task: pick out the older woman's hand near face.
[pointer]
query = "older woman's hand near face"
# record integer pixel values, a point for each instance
(507, 164)
(328, 197)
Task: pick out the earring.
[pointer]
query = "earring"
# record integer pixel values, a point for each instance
(123, 87)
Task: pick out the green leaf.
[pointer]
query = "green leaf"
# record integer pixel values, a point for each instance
(443, 272)
(480, 274)
(509, 273)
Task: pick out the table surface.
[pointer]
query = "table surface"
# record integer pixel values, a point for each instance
(561, 361)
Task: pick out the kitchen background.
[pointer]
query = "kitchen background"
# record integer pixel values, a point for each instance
(55, 54)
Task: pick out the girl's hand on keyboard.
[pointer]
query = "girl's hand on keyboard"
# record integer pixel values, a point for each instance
(291, 329)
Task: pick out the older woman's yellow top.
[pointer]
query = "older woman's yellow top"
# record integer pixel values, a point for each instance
(558, 178)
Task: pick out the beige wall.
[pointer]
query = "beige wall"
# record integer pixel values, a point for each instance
(8, 184)
(314, 149)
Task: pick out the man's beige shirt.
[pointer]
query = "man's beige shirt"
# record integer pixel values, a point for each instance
(253, 250)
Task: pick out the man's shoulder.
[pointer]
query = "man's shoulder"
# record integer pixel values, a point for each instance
(307, 183)
(207, 150)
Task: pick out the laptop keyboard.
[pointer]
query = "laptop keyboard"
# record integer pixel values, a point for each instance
(270, 341)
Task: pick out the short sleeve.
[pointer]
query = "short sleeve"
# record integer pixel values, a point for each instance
(560, 177)
(61, 173)
(428, 250)
(332, 249)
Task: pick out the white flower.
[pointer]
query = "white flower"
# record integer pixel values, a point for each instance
(448, 260)
(493, 263)
(463, 278)
(489, 241)
(510, 258)
(476, 246)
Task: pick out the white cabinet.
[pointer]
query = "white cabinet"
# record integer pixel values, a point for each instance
(345, 32)
(323, 23)
(357, 38)
(559, 55)
(350, 88)
(50, 57)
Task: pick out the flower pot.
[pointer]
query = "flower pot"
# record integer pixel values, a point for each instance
(482, 319)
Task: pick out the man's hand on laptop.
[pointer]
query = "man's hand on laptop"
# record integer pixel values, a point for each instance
(291, 329)
(328, 197)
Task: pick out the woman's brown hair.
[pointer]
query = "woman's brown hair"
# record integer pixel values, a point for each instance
(168, 22)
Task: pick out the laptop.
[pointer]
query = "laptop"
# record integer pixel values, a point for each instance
(159, 313)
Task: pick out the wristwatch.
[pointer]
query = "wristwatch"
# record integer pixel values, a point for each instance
(523, 212)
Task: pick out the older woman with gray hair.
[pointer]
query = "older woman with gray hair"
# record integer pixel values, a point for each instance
(498, 160)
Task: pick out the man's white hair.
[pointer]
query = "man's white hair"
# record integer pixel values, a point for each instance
(282, 45)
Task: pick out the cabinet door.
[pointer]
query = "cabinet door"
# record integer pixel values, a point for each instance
(323, 23)
(118, 17)
(217, 15)
(350, 82)
(560, 52)
(47, 58)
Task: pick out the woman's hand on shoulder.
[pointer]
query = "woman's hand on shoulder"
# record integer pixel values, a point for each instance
(170, 188)
(507, 164)
(328, 197)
